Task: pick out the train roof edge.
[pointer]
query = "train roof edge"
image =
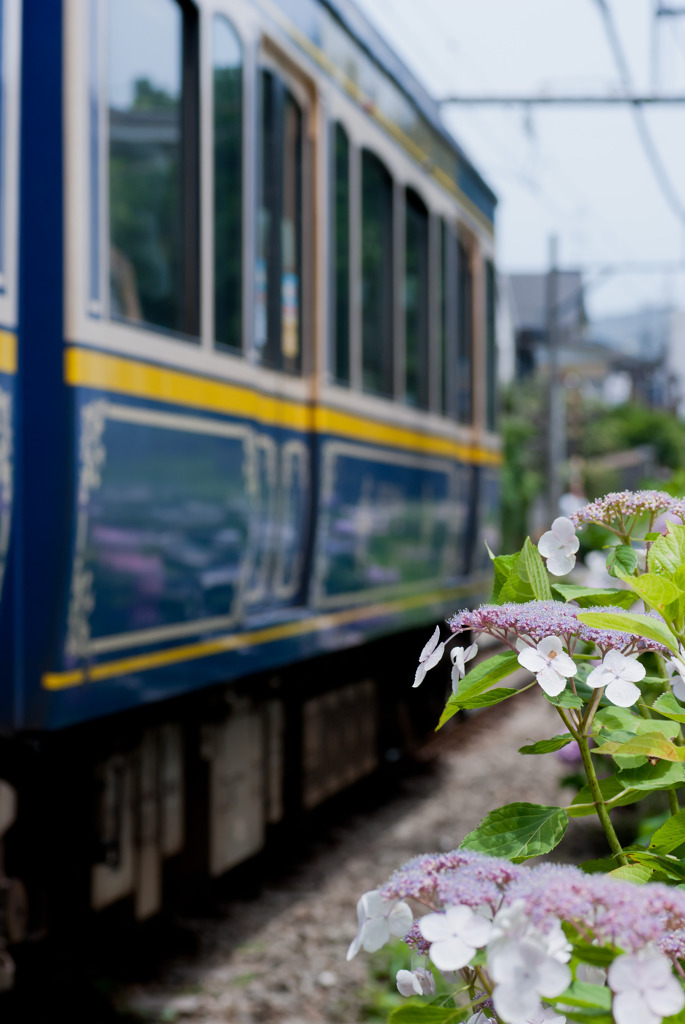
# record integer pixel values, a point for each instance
(356, 24)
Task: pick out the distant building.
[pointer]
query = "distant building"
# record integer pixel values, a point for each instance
(635, 356)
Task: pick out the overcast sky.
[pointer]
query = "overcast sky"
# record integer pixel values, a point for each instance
(578, 172)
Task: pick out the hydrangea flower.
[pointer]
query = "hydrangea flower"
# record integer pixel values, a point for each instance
(619, 674)
(429, 657)
(676, 673)
(622, 505)
(459, 656)
(549, 663)
(524, 972)
(546, 1015)
(645, 990)
(454, 936)
(418, 982)
(480, 1018)
(559, 546)
(378, 919)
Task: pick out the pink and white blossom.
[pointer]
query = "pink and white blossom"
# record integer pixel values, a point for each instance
(418, 982)
(454, 936)
(524, 972)
(429, 657)
(459, 657)
(549, 663)
(559, 546)
(645, 990)
(618, 673)
(377, 920)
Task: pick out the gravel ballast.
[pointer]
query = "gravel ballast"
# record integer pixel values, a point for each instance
(281, 958)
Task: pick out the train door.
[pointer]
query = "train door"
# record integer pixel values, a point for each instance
(283, 331)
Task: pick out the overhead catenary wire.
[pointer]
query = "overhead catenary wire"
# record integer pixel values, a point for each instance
(668, 190)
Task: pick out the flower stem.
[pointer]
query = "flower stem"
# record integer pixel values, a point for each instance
(600, 805)
(673, 804)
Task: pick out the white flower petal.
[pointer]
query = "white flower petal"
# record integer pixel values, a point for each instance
(564, 529)
(450, 954)
(678, 688)
(633, 670)
(549, 544)
(532, 660)
(600, 676)
(400, 919)
(564, 664)
(554, 979)
(630, 1008)
(551, 682)
(420, 674)
(560, 564)
(549, 644)
(430, 646)
(667, 1000)
(477, 931)
(514, 1003)
(354, 946)
(408, 984)
(623, 693)
(434, 927)
(375, 933)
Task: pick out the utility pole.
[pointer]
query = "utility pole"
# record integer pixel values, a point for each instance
(556, 440)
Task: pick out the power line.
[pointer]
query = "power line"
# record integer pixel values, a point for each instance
(651, 152)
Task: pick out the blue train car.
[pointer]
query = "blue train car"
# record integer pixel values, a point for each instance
(247, 418)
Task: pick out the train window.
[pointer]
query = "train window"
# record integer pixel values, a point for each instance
(464, 408)
(416, 301)
(341, 256)
(443, 288)
(490, 347)
(278, 276)
(227, 58)
(377, 276)
(152, 98)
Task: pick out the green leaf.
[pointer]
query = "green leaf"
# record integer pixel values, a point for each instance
(666, 863)
(636, 873)
(565, 699)
(518, 831)
(650, 744)
(595, 956)
(478, 680)
(489, 699)
(667, 553)
(611, 789)
(536, 572)
(668, 729)
(417, 1013)
(669, 707)
(517, 587)
(677, 1018)
(503, 566)
(630, 622)
(649, 777)
(587, 996)
(586, 597)
(655, 590)
(547, 746)
(623, 558)
(616, 718)
(670, 836)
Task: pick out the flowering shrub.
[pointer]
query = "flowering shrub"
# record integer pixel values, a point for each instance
(550, 944)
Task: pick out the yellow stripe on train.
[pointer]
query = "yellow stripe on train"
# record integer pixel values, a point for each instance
(8, 352)
(237, 641)
(88, 368)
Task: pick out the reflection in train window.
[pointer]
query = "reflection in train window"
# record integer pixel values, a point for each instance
(464, 335)
(341, 257)
(490, 347)
(228, 184)
(152, 242)
(278, 273)
(377, 276)
(416, 301)
(442, 328)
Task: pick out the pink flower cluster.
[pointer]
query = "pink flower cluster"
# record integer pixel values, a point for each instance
(602, 909)
(536, 620)
(619, 506)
